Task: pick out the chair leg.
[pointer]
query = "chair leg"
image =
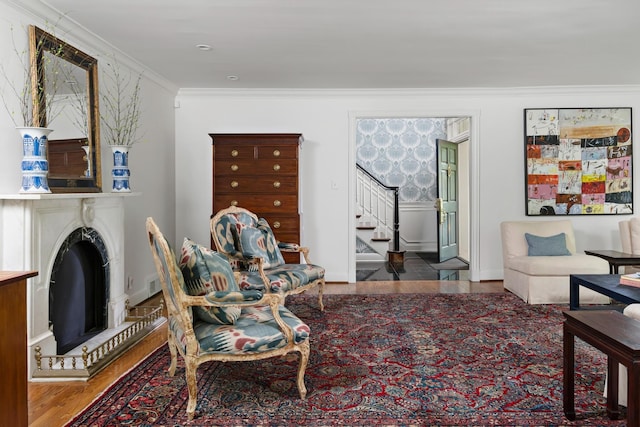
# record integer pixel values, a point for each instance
(320, 293)
(174, 354)
(191, 366)
(304, 359)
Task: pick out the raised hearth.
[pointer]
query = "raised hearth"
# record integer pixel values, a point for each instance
(34, 228)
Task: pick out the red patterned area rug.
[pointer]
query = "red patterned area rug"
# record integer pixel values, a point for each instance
(403, 359)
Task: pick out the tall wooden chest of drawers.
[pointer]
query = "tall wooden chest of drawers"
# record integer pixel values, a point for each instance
(259, 172)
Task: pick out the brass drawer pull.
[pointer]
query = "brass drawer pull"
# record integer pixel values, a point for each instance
(276, 167)
(276, 153)
(276, 184)
(234, 184)
(234, 153)
(277, 203)
(276, 224)
(234, 167)
(234, 203)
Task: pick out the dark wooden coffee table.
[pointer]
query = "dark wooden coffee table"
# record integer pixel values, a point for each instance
(616, 335)
(606, 284)
(615, 259)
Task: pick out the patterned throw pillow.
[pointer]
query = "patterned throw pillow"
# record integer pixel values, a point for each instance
(260, 242)
(252, 244)
(228, 228)
(207, 271)
(275, 256)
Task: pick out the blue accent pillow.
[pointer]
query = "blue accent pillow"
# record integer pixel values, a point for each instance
(547, 246)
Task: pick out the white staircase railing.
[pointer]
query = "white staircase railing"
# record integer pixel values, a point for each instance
(378, 203)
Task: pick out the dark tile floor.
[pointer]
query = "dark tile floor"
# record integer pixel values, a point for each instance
(417, 266)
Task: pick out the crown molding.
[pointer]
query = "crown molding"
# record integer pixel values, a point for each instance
(418, 92)
(80, 36)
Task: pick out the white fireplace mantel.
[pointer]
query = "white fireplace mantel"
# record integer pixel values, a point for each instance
(32, 229)
(56, 196)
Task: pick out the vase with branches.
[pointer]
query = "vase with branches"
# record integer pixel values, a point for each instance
(36, 92)
(34, 103)
(120, 119)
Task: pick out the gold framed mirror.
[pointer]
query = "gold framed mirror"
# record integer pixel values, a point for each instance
(68, 78)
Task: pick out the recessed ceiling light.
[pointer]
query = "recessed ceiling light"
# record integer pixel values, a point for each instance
(204, 47)
(232, 78)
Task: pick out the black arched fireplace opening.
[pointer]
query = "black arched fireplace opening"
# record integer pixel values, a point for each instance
(79, 289)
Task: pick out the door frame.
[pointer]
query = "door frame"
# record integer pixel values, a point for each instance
(473, 184)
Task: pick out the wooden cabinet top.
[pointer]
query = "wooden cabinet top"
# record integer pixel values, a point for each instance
(8, 277)
(257, 138)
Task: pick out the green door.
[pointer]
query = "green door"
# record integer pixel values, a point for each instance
(447, 202)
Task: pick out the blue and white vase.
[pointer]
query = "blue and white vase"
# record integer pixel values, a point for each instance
(87, 151)
(35, 166)
(120, 172)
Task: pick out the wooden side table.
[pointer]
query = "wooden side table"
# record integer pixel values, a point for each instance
(616, 335)
(13, 347)
(615, 259)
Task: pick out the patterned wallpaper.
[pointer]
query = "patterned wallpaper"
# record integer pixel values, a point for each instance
(401, 152)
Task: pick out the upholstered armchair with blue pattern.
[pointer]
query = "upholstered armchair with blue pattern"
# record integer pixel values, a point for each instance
(210, 318)
(249, 243)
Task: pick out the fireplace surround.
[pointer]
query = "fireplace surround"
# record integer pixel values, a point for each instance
(33, 230)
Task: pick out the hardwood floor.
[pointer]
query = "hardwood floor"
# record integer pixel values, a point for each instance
(56, 403)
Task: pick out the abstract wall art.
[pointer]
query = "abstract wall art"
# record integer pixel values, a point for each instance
(578, 161)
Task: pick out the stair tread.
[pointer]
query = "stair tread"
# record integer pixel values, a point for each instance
(366, 227)
(380, 239)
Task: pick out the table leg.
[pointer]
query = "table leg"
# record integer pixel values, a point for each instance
(568, 373)
(633, 394)
(574, 295)
(613, 411)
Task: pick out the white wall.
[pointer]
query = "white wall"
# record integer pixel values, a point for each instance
(151, 161)
(152, 166)
(178, 194)
(497, 148)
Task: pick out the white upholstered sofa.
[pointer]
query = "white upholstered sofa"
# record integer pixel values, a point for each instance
(630, 239)
(545, 279)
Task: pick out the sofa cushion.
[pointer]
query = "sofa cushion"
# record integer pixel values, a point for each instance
(255, 331)
(634, 231)
(555, 245)
(632, 310)
(558, 266)
(207, 271)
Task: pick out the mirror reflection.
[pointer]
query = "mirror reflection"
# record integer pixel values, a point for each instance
(70, 83)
